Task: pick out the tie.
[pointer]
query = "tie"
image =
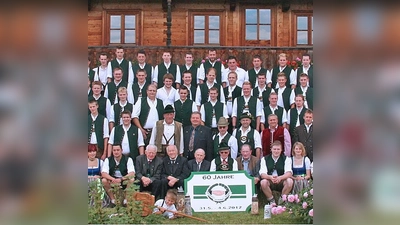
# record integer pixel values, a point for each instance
(191, 141)
(149, 162)
(198, 166)
(224, 162)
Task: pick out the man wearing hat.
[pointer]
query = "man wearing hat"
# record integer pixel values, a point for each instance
(167, 132)
(223, 162)
(247, 135)
(224, 136)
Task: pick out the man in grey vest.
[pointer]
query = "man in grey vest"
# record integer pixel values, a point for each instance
(167, 132)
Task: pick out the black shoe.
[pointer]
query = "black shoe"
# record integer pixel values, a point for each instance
(111, 205)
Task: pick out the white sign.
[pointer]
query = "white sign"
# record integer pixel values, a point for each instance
(222, 191)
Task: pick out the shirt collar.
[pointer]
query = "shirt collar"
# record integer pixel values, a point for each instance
(173, 123)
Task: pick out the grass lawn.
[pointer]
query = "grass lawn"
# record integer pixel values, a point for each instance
(235, 218)
(229, 218)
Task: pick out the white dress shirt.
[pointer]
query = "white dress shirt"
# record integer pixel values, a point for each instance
(264, 169)
(177, 76)
(125, 142)
(213, 166)
(214, 119)
(167, 98)
(242, 76)
(93, 138)
(153, 114)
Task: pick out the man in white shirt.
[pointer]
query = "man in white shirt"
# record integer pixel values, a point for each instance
(281, 68)
(130, 137)
(242, 75)
(246, 135)
(102, 72)
(273, 108)
(275, 172)
(117, 169)
(203, 89)
(167, 93)
(167, 132)
(213, 110)
(211, 62)
(147, 111)
(121, 62)
(98, 132)
(166, 67)
(224, 136)
(223, 162)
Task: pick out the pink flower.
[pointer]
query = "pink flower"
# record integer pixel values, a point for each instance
(273, 204)
(279, 209)
(305, 195)
(273, 210)
(311, 213)
(296, 197)
(312, 191)
(298, 200)
(305, 205)
(284, 208)
(298, 59)
(290, 198)
(218, 59)
(206, 57)
(203, 61)
(284, 198)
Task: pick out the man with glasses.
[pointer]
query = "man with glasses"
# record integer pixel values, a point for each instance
(223, 162)
(224, 136)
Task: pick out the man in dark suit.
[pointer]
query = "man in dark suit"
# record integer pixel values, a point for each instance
(174, 170)
(304, 133)
(197, 136)
(148, 171)
(199, 163)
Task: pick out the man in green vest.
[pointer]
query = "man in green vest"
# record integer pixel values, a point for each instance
(104, 103)
(224, 136)
(115, 117)
(211, 62)
(257, 69)
(283, 92)
(139, 88)
(273, 108)
(112, 87)
(167, 67)
(212, 110)
(247, 135)
(187, 82)
(142, 65)
(223, 162)
(194, 70)
(306, 68)
(147, 111)
(281, 68)
(130, 137)
(262, 91)
(232, 91)
(98, 132)
(121, 62)
(91, 73)
(116, 170)
(203, 89)
(296, 115)
(184, 107)
(275, 172)
(247, 104)
(305, 90)
(167, 132)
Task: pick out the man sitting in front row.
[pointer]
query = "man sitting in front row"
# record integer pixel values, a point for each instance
(223, 162)
(275, 172)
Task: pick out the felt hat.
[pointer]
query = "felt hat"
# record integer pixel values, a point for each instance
(169, 109)
(246, 115)
(223, 121)
(223, 146)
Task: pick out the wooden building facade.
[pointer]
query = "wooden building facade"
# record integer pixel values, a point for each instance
(234, 27)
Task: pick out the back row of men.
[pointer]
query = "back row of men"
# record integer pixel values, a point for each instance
(104, 72)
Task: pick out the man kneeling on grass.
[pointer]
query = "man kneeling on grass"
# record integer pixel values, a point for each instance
(275, 172)
(162, 205)
(116, 169)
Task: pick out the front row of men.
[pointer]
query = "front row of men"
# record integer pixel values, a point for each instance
(157, 175)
